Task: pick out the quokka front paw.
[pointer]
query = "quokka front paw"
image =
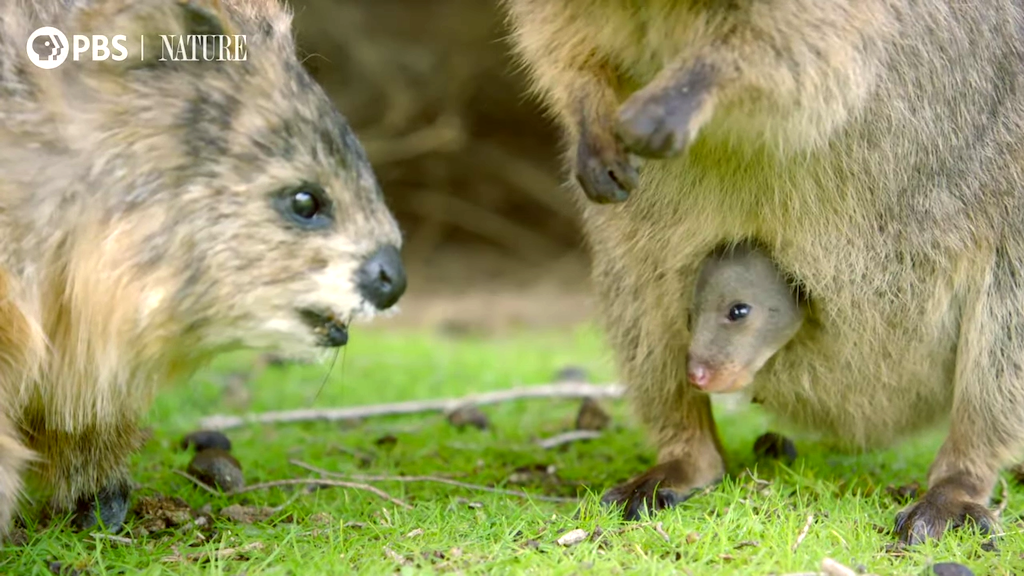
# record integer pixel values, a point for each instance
(109, 506)
(661, 487)
(660, 120)
(940, 509)
(603, 167)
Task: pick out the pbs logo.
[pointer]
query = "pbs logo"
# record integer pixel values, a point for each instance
(47, 48)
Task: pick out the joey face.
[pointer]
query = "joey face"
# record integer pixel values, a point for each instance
(743, 313)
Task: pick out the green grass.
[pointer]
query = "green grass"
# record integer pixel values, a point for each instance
(742, 527)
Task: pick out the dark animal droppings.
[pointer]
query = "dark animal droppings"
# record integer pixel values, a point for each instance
(571, 374)
(951, 569)
(216, 468)
(904, 494)
(468, 416)
(62, 570)
(204, 439)
(591, 416)
(776, 447)
(386, 441)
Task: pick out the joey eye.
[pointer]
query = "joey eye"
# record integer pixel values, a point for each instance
(739, 312)
(305, 205)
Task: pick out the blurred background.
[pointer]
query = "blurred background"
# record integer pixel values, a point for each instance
(468, 162)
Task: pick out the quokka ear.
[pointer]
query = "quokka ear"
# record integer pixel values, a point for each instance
(205, 18)
(148, 26)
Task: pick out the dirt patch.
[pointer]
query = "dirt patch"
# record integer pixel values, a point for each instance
(156, 513)
(247, 514)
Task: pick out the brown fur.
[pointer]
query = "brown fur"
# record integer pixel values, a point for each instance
(873, 147)
(140, 230)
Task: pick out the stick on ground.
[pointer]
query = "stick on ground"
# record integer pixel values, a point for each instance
(112, 538)
(568, 438)
(833, 568)
(297, 481)
(1006, 499)
(563, 390)
(803, 533)
(221, 554)
(437, 479)
(661, 532)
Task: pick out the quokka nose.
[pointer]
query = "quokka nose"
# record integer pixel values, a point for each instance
(381, 278)
(697, 374)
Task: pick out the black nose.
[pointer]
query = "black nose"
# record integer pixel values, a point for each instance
(381, 278)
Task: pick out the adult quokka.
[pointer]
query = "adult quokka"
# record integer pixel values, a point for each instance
(873, 147)
(155, 213)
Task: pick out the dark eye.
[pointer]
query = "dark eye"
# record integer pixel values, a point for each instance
(739, 312)
(305, 205)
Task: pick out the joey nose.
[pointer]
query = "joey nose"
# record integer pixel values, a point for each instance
(697, 374)
(381, 277)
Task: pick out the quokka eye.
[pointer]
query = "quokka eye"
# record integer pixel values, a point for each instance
(306, 205)
(739, 312)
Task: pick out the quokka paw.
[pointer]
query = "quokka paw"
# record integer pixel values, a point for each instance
(109, 507)
(937, 511)
(604, 169)
(660, 120)
(661, 487)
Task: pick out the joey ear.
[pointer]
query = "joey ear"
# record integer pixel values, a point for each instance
(149, 24)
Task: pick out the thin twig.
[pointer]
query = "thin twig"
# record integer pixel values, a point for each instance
(287, 503)
(322, 482)
(833, 568)
(568, 438)
(661, 532)
(803, 533)
(829, 567)
(221, 554)
(298, 481)
(1006, 498)
(395, 555)
(112, 537)
(562, 390)
(437, 479)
